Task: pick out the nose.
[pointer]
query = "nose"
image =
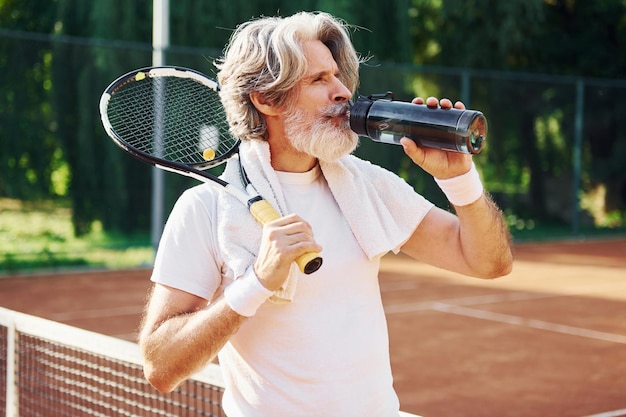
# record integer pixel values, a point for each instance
(341, 93)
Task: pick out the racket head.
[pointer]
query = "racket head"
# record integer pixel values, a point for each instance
(166, 115)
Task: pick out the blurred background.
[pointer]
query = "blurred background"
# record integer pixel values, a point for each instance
(549, 75)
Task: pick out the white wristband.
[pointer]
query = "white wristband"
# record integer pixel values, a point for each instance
(246, 294)
(463, 189)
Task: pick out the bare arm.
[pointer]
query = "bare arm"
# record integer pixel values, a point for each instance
(476, 241)
(181, 334)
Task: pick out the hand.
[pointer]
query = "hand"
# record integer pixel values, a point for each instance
(282, 242)
(438, 163)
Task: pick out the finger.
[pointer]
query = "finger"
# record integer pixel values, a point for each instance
(294, 233)
(418, 100)
(445, 103)
(432, 102)
(293, 224)
(412, 150)
(408, 145)
(289, 219)
(305, 245)
(459, 105)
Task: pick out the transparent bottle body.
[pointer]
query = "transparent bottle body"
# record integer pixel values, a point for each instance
(388, 121)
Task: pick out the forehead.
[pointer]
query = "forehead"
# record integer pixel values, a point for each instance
(318, 57)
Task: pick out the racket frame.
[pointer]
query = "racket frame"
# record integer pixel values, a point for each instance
(260, 208)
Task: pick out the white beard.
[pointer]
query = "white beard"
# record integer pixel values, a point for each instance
(322, 138)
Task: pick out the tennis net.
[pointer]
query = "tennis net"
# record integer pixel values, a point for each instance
(51, 369)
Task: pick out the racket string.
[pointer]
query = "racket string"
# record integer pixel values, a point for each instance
(172, 118)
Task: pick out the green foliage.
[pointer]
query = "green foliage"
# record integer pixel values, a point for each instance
(109, 185)
(40, 236)
(57, 57)
(26, 121)
(489, 33)
(534, 127)
(585, 37)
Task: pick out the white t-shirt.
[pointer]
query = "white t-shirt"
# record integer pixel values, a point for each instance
(324, 354)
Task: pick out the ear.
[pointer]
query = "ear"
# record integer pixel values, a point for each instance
(263, 105)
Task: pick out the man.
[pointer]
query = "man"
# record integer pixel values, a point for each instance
(291, 344)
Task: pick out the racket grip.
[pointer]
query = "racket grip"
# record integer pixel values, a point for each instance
(264, 213)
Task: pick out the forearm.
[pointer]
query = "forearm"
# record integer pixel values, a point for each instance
(476, 242)
(482, 234)
(484, 238)
(473, 242)
(181, 345)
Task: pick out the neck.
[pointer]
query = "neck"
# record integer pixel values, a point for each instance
(287, 159)
(284, 156)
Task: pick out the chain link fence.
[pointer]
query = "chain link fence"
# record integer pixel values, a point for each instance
(555, 151)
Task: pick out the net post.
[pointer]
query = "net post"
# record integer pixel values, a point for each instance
(11, 377)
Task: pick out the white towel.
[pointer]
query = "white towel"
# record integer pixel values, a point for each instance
(381, 208)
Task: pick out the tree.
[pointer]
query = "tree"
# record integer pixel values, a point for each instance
(552, 37)
(28, 152)
(69, 50)
(104, 186)
(591, 39)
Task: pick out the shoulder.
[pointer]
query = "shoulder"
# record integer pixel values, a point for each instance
(201, 197)
(201, 192)
(188, 258)
(195, 209)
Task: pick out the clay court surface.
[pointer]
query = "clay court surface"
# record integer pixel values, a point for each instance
(547, 341)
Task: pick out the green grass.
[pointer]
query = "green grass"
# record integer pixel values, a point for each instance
(36, 236)
(39, 236)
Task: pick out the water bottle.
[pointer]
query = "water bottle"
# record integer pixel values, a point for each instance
(384, 120)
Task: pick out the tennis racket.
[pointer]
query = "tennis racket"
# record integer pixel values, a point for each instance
(173, 118)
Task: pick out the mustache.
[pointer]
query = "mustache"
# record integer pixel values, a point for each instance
(336, 110)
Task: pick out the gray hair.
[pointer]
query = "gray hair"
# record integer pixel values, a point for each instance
(265, 55)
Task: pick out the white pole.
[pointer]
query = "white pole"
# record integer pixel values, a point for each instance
(160, 42)
(577, 155)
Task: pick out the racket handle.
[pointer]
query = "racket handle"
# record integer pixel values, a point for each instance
(264, 213)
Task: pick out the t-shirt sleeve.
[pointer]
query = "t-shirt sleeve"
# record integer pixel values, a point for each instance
(421, 206)
(187, 258)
